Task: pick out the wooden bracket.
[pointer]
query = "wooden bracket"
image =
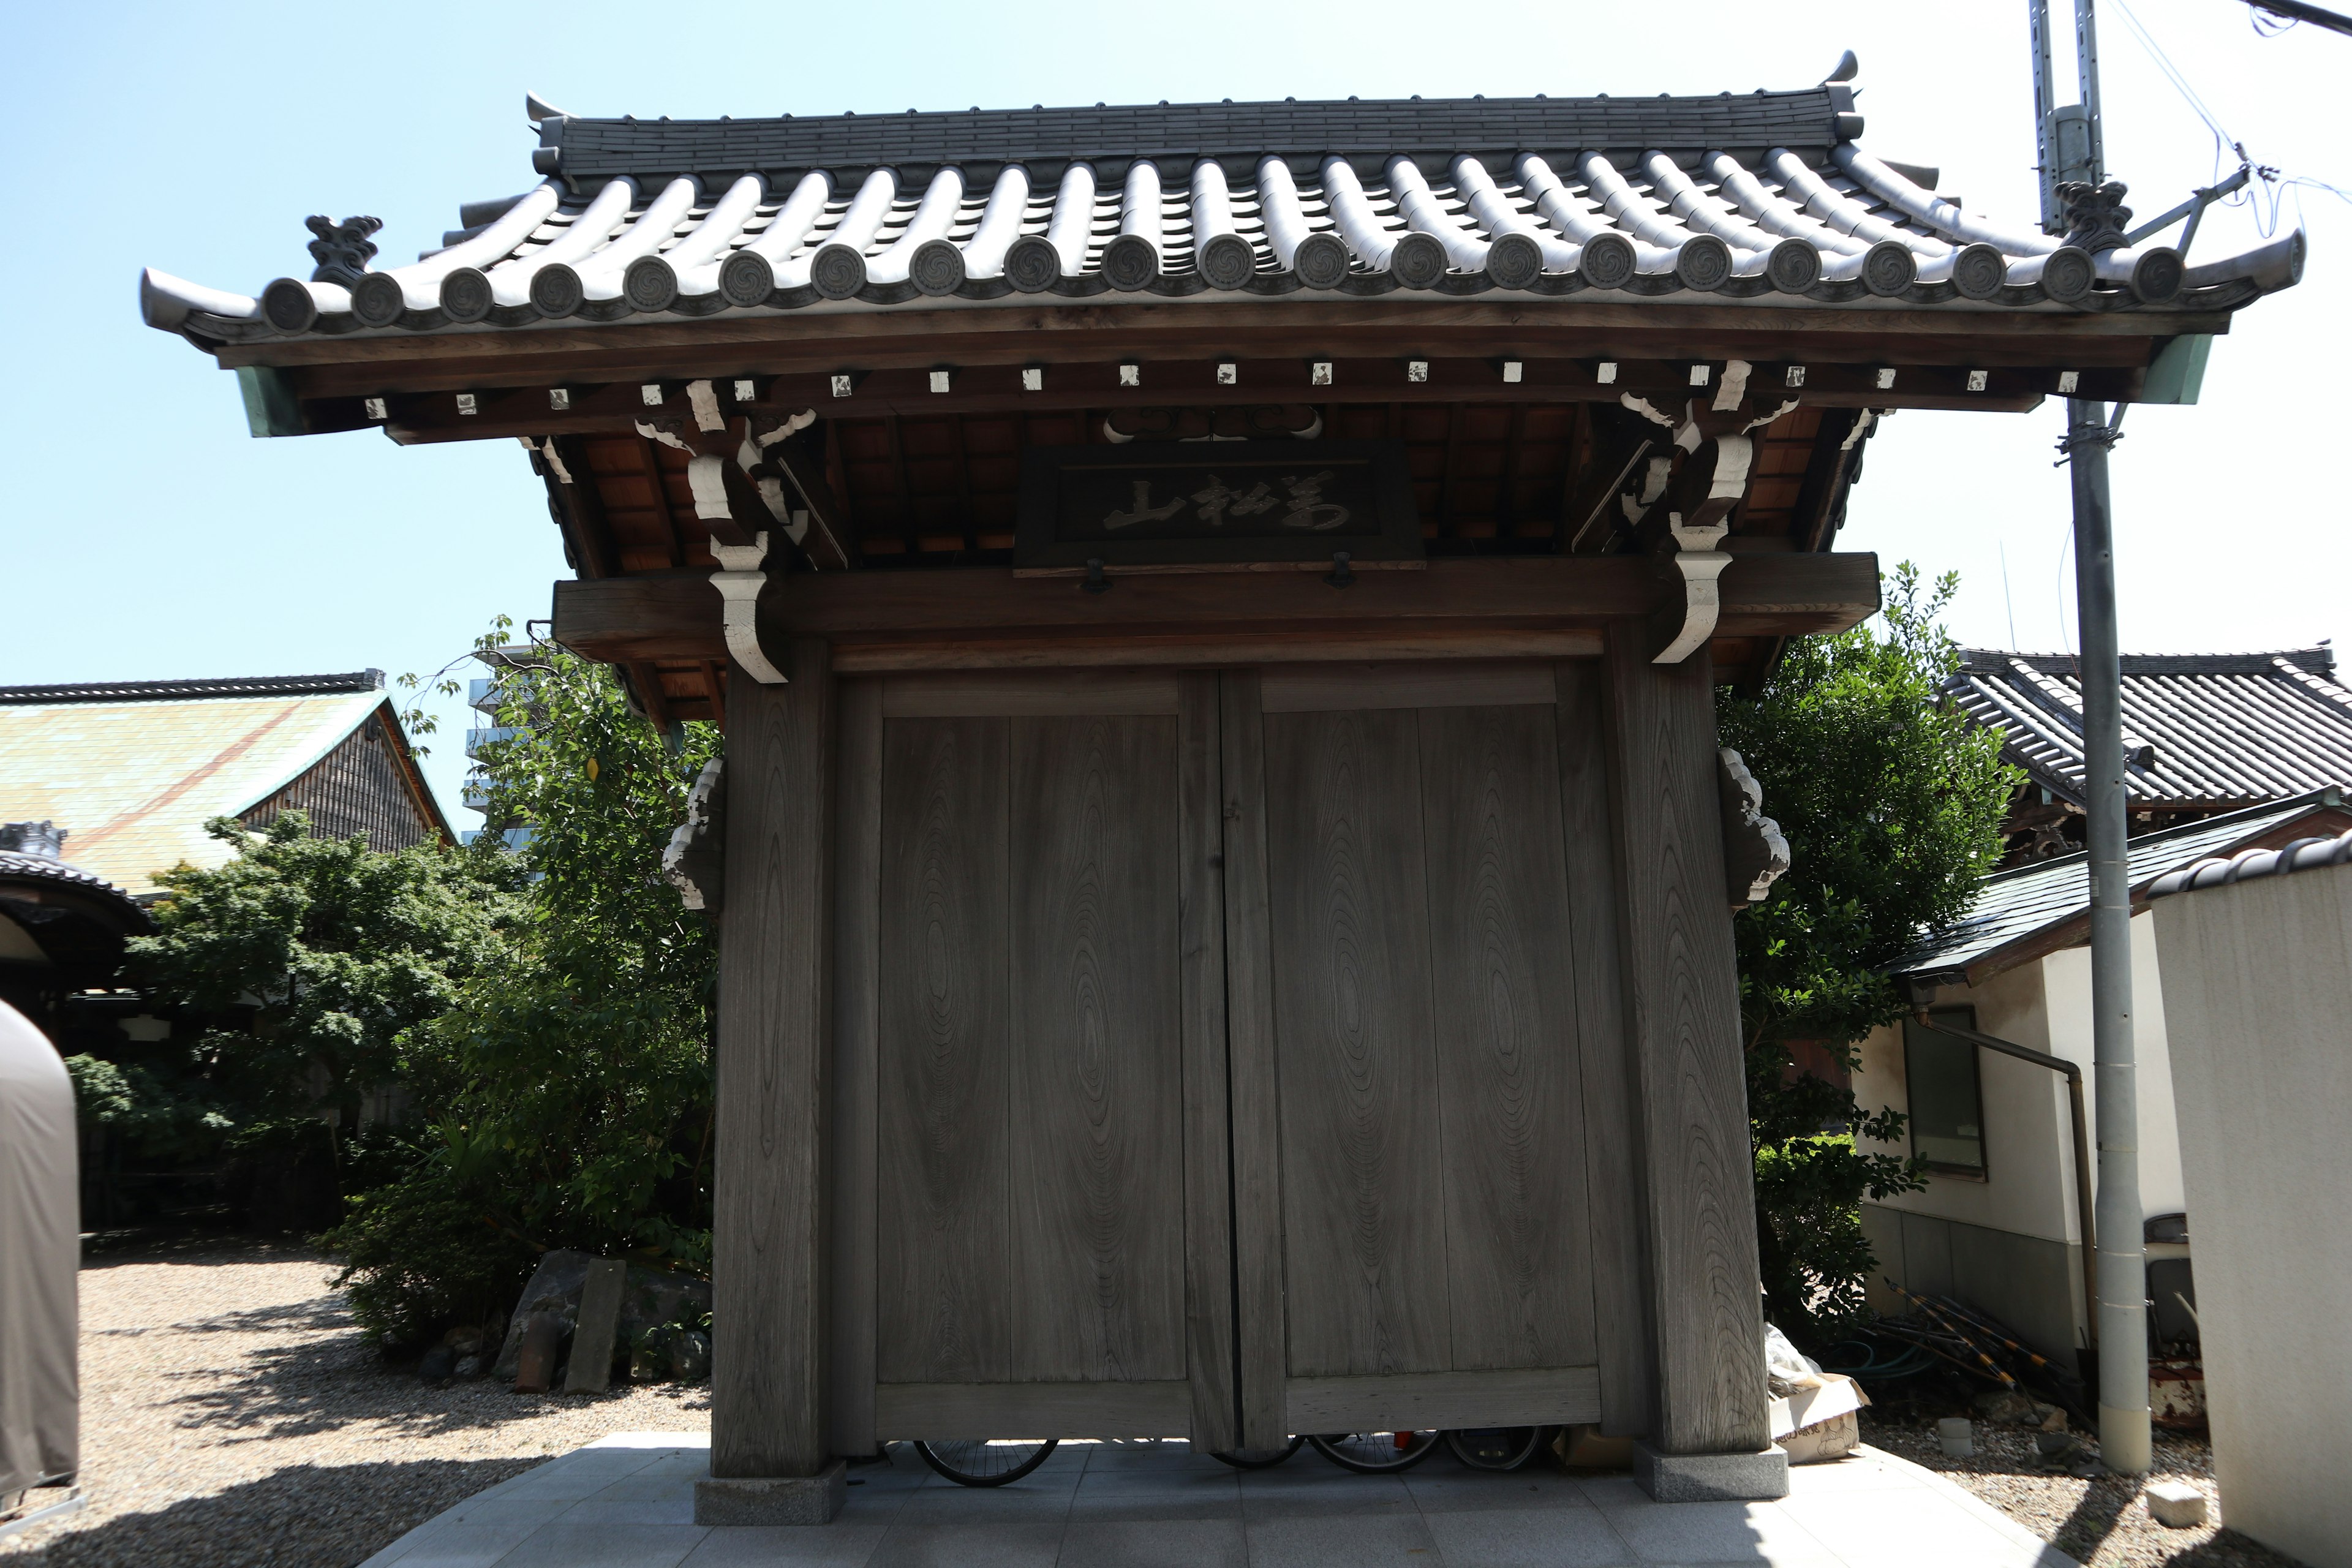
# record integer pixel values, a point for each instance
(695, 861)
(1712, 479)
(739, 586)
(1755, 853)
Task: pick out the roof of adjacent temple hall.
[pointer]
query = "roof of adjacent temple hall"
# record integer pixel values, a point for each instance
(134, 769)
(2015, 908)
(1767, 197)
(2199, 729)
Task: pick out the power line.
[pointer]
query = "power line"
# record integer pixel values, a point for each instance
(2283, 14)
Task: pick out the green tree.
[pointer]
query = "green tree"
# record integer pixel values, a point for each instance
(581, 1112)
(294, 969)
(1892, 804)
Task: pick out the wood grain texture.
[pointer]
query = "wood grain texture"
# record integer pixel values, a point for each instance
(1363, 1230)
(1255, 1094)
(1097, 1162)
(943, 1410)
(1682, 992)
(1215, 1415)
(1537, 1396)
(944, 1264)
(1351, 687)
(768, 1379)
(1502, 986)
(1013, 694)
(856, 958)
(1617, 1209)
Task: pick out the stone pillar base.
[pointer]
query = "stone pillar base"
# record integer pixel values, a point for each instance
(1711, 1477)
(772, 1500)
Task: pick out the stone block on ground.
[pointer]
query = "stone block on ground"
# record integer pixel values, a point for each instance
(1711, 1477)
(649, 1297)
(592, 1332)
(2176, 1504)
(772, 1500)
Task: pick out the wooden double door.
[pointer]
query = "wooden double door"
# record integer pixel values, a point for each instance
(1213, 1056)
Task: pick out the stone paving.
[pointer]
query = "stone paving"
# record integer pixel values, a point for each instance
(627, 1503)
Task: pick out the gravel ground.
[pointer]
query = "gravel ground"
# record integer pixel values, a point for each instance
(232, 1413)
(2102, 1522)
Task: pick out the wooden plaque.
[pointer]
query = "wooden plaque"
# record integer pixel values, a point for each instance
(1216, 506)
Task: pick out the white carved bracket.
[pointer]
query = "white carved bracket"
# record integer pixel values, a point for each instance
(695, 863)
(738, 585)
(1754, 852)
(1725, 421)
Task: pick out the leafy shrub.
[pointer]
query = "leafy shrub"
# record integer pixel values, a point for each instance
(1892, 804)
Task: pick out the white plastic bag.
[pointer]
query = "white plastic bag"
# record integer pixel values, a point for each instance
(1786, 1369)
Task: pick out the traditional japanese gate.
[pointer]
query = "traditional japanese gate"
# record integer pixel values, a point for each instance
(1153, 982)
(1215, 610)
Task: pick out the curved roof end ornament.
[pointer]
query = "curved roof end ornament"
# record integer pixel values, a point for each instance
(536, 109)
(1848, 67)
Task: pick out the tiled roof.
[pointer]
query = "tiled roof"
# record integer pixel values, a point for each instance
(2222, 728)
(1766, 197)
(133, 780)
(2013, 905)
(2303, 855)
(234, 686)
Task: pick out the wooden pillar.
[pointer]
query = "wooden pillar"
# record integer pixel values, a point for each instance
(769, 1274)
(1682, 1016)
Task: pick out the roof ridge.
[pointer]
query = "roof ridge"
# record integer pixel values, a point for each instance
(1994, 660)
(357, 680)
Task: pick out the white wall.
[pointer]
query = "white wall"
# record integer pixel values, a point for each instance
(2067, 980)
(2259, 1005)
(2026, 1187)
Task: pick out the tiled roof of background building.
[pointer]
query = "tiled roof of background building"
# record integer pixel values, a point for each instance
(2201, 728)
(2011, 906)
(133, 776)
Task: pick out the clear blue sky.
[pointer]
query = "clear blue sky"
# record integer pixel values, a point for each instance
(143, 535)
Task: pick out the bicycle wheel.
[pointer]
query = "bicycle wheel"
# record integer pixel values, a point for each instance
(1495, 1447)
(985, 1461)
(1256, 1458)
(1375, 1453)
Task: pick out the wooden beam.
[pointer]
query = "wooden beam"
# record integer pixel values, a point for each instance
(770, 1352)
(1623, 1328)
(1681, 991)
(579, 508)
(1260, 1332)
(1057, 334)
(677, 614)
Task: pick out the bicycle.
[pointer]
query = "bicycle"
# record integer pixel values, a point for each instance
(985, 1461)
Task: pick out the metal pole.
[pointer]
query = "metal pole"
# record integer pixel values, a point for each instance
(2121, 1310)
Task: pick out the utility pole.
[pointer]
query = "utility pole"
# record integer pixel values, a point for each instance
(2072, 146)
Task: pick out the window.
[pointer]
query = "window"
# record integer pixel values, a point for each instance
(1946, 1108)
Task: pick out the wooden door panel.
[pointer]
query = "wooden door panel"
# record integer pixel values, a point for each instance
(945, 1299)
(1363, 1210)
(1096, 1148)
(1518, 1272)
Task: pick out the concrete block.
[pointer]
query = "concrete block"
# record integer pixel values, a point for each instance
(772, 1500)
(1958, 1436)
(1711, 1477)
(2176, 1503)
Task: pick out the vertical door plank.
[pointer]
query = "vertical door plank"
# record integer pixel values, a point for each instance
(769, 1378)
(1362, 1194)
(1255, 1083)
(1208, 1147)
(1683, 994)
(944, 1243)
(1097, 1163)
(856, 954)
(1613, 1128)
(1501, 968)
